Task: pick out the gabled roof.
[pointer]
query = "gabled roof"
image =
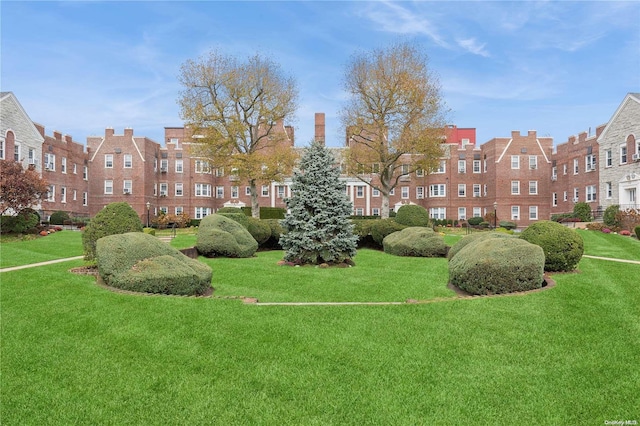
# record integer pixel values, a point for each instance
(631, 97)
(10, 97)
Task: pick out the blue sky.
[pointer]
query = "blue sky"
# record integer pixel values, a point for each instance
(556, 67)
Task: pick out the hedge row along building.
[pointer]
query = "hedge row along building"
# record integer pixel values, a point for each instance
(524, 177)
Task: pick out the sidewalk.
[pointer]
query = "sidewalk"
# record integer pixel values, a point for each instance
(637, 262)
(32, 265)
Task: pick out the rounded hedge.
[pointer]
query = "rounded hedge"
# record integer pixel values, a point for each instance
(475, 221)
(59, 218)
(472, 238)
(241, 218)
(220, 236)
(140, 262)
(497, 266)
(259, 230)
(114, 218)
(583, 212)
(380, 228)
(412, 215)
(563, 247)
(415, 241)
(609, 216)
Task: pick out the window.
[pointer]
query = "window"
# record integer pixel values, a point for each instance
(484, 190)
(128, 187)
(623, 154)
(564, 169)
(203, 190)
(247, 191)
(16, 152)
(462, 166)
(515, 187)
(462, 190)
(202, 166)
(420, 173)
(608, 158)
(609, 189)
(632, 195)
(179, 210)
(419, 192)
(375, 212)
(359, 211)
(515, 161)
(31, 156)
(476, 166)
(281, 190)
(85, 198)
(164, 189)
(360, 191)
(164, 166)
(476, 189)
(591, 193)
(155, 189)
(164, 209)
(63, 194)
(128, 161)
(392, 191)
(438, 213)
(108, 187)
(179, 166)
(438, 190)
(404, 192)
(442, 168)
(49, 162)
(179, 190)
(533, 187)
(51, 193)
(220, 172)
(485, 165)
(554, 173)
(75, 169)
(2, 150)
(108, 161)
(554, 199)
(219, 191)
(533, 212)
(375, 192)
(590, 163)
(375, 167)
(265, 190)
(576, 166)
(477, 212)
(515, 212)
(462, 213)
(565, 196)
(404, 169)
(234, 192)
(75, 195)
(576, 195)
(533, 162)
(85, 172)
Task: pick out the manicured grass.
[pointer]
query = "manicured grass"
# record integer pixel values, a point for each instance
(598, 243)
(40, 249)
(73, 352)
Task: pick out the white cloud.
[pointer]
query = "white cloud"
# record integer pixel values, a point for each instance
(472, 46)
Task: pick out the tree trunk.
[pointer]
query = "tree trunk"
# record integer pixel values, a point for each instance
(255, 206)
(384, 210)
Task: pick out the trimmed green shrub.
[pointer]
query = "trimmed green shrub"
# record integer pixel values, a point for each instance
(259, 230)
(636, 231)
(472, 238)
(563, 247)
(22, 222)
(609, 217)
(497, 266)
(59, 218)
(140, 262)
(241, 218)
(273, 242)
(583, 212)
(114, 218)
(220, 236)
(380, 228)
(415, 241)
(475, 221)
(412, 215)
(267, 212)
(150, 231)
(507, 224)
(231, 210)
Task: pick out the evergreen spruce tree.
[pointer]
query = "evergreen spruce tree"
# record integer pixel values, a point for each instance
(318, 226)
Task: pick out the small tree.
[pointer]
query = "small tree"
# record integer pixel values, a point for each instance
(19, 188)
(583, 212)
(319, 230)
(115, 218)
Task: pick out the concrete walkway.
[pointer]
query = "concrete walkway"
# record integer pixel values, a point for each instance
(32, 265)
(637, 262)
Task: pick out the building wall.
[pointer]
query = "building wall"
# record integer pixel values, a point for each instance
(17, 130)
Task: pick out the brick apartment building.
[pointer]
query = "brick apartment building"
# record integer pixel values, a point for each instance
(523, 177)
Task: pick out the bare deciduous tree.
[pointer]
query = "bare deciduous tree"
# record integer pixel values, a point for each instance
(237, 109)
(395, 117)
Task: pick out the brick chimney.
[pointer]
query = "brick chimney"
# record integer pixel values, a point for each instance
(320, 130)
(128, 132)
(57, 135)
(108, 132)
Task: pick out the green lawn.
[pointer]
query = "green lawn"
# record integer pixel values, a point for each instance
(75, 353)
(54, 246)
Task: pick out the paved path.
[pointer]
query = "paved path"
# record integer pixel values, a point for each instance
(637, 262)
(49, 262)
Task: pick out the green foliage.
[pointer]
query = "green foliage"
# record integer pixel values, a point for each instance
(318, 228)
(239, 217)
(475, 221)
(273, 242)
(115, 218)
(609, 217)
(636, 231)
(59, 218)
(472, 238)
(140, 262)
(267, 212)
(412, 215)
(20, 223)
(496, 266)
(259, 230)
(220, 236)
(380, 228)
(507, 224)
(232, 210)
(150, 231)
(415, 241)
(583, 212)
(563, 247)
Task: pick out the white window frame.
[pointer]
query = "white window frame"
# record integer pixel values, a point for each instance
(476, 166)
(179, 189)
(533, 187)
(462, 213)
(164, 189)
(202, 190)
(85, 199)
(533, 162)
(608, 158)
(462, 190)
(624, 154)
(375, 192)
(437, 190)
(51, 193)
(515, 162)
(462, 166)
(108, 187)
(404, 192)
(515, 187)
(264, 191)
(419, 192)
(438, 212)
(219, 191)
(576, 166)
(235, 191)
(533, 212)
(127, 185)
(515, 212)
(359, 191)
(590, 193)
(49, 162)
(63, 165)
(179, 166)
(108, 161)
(477, 190)
(554, 199)
(127, 161)
(609, 190)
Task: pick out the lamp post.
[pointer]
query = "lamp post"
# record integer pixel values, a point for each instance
(495, 214)
(148, 207)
